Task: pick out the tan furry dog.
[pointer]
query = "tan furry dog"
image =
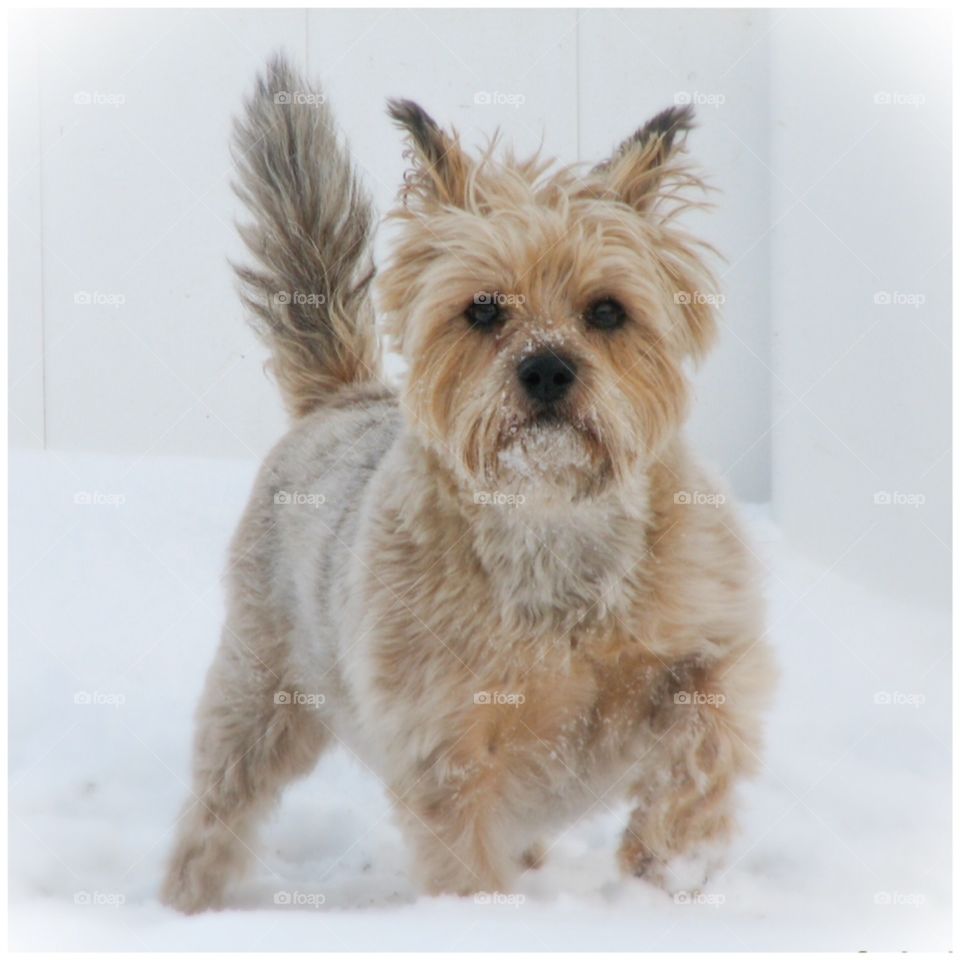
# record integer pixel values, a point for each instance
(509, 590)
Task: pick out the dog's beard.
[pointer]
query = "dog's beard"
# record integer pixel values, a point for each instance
(555, 456)
(549, 455)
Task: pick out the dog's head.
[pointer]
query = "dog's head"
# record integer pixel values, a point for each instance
(546, 316)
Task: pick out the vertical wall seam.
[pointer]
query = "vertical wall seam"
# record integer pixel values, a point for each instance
(41, 306)
(306, 41)
(576, 57)
(773, 357)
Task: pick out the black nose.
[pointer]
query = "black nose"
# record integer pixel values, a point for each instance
(546, 377)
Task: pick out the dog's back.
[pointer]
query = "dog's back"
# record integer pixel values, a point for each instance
(294, 545)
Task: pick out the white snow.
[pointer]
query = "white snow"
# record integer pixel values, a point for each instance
(846, 832)
(543, 449)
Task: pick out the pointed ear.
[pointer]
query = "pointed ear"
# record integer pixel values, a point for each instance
(639, 167)
(440, 168)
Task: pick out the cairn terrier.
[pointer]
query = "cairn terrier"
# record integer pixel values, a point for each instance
(507, 586)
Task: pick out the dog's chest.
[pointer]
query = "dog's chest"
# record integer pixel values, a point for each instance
(561, 572)
(575, 724)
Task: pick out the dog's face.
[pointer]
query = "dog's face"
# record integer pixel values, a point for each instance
(545, 316)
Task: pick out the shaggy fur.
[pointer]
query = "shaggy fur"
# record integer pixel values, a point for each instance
(513, 614)
(310, 237)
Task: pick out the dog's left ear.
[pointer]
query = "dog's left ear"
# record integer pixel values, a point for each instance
(639, 166)
(440, 167)
(645, 169)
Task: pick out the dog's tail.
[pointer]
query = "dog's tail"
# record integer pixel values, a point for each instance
(309, 290)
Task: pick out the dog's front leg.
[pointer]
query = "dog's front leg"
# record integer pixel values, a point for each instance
(683, 801)
(456, 820)
(678, 827)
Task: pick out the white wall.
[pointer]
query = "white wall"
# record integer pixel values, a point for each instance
(135, 204)
(25, 255)
(861, 167)
(135, 209)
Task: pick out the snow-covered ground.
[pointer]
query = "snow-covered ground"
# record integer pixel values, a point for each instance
(115, 609)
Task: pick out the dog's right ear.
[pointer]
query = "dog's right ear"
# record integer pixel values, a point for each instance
(440, 169)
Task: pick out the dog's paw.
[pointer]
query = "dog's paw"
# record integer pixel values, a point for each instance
(190, 886)
(682, 874)
(189, 898)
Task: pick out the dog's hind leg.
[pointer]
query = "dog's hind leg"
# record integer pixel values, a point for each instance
(252, 738)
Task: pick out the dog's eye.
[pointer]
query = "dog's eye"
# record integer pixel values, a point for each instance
(605, 314)
(484, 311)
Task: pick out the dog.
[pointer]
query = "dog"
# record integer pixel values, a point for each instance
(508, 586)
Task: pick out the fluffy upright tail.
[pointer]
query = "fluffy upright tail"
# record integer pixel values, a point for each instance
(309, 291)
